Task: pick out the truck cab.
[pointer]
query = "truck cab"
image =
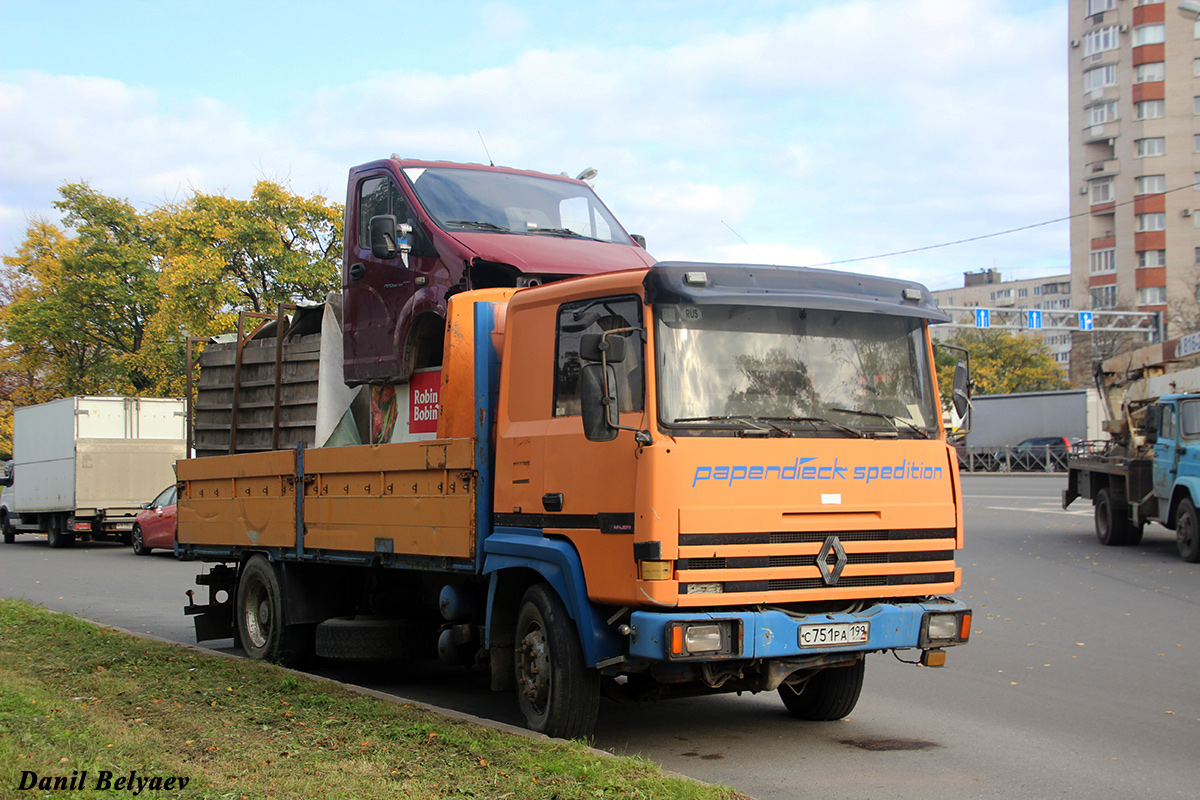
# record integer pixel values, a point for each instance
(1173, 432)
(416, 232)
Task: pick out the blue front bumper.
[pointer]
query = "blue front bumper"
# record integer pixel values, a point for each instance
(775, 634)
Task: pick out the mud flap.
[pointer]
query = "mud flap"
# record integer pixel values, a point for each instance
(214, 620)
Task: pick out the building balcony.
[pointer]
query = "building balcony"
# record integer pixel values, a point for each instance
(1101, 133)
(1101, 169)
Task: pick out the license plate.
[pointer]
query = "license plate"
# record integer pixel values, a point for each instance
(834, 634)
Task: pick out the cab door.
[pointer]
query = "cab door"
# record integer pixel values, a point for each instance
(548, 474)
(1166, 454)
(376, 291)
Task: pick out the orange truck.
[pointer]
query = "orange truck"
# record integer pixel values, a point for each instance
(671, 481)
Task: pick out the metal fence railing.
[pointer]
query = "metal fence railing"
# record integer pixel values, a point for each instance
(1024, 459)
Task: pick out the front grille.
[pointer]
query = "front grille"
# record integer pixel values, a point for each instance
(808, 584)
(798, 573)
(760, 562)
(813, 537)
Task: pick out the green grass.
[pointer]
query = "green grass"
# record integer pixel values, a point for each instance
(75, 697)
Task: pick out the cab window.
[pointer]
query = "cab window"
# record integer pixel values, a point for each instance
(378, 196)
(1189, 419)
(1167, 429)
(575, 320)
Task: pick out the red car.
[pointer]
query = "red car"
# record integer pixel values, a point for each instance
(156, 525)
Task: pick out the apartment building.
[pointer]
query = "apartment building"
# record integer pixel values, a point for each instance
(987, 289)
(1134, 71)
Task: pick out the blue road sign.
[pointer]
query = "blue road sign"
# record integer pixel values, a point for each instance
(1085, 320)
(983, 318)
(1035, 320)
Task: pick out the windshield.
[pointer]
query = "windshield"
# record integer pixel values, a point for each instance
(501, 202)
(793, 371)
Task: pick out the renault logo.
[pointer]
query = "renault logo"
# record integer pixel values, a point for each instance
(832, 547)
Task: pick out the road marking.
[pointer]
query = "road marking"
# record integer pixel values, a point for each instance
(1041, 497)
(1043, 511)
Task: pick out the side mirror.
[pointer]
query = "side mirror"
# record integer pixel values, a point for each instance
(383, 230)
(1153, 423)
(145, 506)
(596, 401)
(960, 394)
(638, 239)
(383, 236)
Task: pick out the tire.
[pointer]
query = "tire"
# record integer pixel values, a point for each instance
(830, 694)
(1112, 523)
(56, 536)
(10, 534)
(558, 695)
(365, 638)
(1187, 531)
(259, 617)
(139, 543)
(1135, 533)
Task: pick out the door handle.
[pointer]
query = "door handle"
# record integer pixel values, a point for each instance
(552, 502)
(357, 271)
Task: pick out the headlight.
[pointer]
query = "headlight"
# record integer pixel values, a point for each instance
(686, 639)
(702, 638)
(942, 629)
(943, 626)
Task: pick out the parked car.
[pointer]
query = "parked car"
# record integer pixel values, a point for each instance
(1033, 454)
(156, 525)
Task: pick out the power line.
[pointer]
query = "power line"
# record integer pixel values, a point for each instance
(991, 235)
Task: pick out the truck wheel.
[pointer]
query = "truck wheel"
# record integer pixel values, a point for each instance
(57, 537)
(259, 613)
(10, 534)
(830, 694)
(559, 696)
(139, 544)
(1187, 531)
(1112, 523)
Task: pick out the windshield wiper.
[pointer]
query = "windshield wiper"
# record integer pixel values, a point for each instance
(559, 232)
(892, 418)
(814, 421)
(772, 422)
(755, 421)
(473, 223)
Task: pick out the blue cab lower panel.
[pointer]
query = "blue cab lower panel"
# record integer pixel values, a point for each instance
(775, 634)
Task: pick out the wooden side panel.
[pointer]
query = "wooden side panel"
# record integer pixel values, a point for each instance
(240, 500)
(417, 497)
(414, 498)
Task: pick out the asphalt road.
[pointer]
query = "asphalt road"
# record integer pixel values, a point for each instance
(1082, 678)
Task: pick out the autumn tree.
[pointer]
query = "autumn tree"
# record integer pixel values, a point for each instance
(82, 302)
(104, 306)
(1001, 363)
(223, 255)
(21, 367)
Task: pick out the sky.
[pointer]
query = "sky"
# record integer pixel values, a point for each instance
(826, 132)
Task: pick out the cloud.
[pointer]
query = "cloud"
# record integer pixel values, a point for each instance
(830, 132)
